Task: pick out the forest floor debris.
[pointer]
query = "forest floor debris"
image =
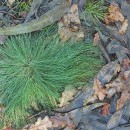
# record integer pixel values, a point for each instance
(105, 105)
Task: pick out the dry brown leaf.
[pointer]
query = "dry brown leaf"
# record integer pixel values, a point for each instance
(96, 39)
(100, 92)
(114, 14)
(67, 95)
(105, 109)
(124, 97)
(42, 124)
(124, 27)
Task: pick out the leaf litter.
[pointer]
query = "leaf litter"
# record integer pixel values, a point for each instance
(114, 15)
(94, 103)
(112, 79)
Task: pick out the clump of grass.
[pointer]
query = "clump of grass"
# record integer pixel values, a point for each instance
(96, 9)
(34, 70)
(22, 5)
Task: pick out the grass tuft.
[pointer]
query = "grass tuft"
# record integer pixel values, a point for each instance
(34, 70)
(96, 9)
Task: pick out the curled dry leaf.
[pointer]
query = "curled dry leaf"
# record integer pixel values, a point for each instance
(100, 92)
(96, 39)
(67, 95)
